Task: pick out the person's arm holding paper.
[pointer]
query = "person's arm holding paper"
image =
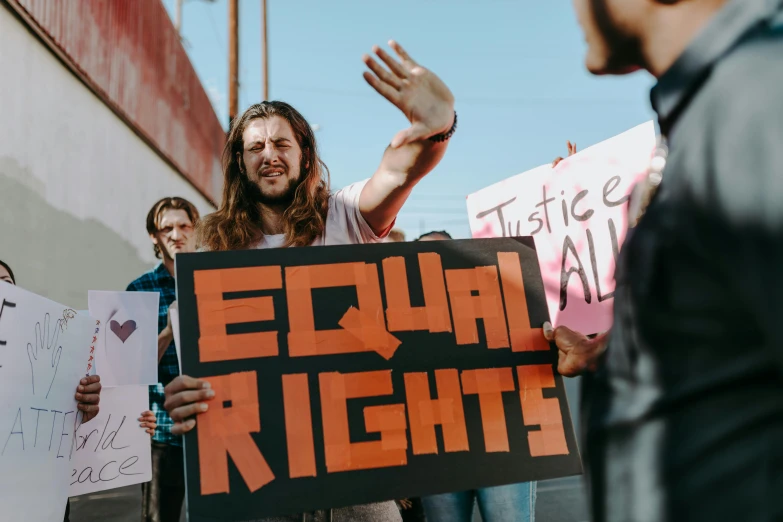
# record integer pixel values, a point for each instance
(166, 336)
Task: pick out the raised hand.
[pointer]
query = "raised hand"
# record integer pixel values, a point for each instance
(571, 152)
(45, 355)
(418, 92)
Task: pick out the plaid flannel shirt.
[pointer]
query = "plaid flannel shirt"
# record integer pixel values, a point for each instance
(159, 280)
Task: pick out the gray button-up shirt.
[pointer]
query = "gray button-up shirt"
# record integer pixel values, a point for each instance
(684, 417)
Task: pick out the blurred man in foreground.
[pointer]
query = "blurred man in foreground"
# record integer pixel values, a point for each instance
(683, 399)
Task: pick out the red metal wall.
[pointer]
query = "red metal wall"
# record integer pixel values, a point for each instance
(129, 54)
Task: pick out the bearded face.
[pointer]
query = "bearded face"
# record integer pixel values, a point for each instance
(272, 160)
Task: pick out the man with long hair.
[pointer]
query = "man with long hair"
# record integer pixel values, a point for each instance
(276, 190)
(277, 194)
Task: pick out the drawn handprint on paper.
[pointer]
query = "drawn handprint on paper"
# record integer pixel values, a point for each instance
(45, 355)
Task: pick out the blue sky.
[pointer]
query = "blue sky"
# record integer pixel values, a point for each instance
(514, 66)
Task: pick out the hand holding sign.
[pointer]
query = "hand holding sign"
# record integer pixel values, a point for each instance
(183, 402)
(149, 422)
(576, 353)
(418, 92)
(88, 395)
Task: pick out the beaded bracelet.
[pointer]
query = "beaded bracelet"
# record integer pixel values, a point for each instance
(438, 138)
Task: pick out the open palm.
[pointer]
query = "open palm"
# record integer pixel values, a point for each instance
(418, 92)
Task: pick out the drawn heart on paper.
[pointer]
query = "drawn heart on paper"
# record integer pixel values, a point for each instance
(124, 331)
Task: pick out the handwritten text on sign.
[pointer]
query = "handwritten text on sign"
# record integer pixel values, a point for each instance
(577, 214)
(111, 450)
(416, 370)
(44, 348)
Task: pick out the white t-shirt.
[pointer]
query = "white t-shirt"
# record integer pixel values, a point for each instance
(345, 224)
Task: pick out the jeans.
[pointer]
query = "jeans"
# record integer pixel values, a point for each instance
(512, 503)
(162, 497)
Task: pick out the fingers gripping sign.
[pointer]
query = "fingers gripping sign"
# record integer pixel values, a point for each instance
(88, 397)
(148, 422)
(576, 353)
(418, 92)
(185, 398)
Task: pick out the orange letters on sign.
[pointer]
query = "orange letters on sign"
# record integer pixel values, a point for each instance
(298, 426)
(362, 330)
(488, 305)
(489, 384)
(446, 410)
(214, 313)
(539, 411)
(225, 430)
(523, 337)
(389, 420)
(434, 315)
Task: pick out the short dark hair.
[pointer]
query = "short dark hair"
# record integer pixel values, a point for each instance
(169, 203)
(10, 272)
(435, 232)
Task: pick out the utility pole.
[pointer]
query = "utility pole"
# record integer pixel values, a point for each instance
(264, 52)
(233, 59)
(178, 17)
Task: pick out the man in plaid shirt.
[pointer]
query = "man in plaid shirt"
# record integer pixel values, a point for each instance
(170, 224)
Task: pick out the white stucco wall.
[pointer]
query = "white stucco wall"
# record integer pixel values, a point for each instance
(76, 183)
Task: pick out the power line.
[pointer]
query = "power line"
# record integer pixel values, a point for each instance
(475, 100)
(215, 31)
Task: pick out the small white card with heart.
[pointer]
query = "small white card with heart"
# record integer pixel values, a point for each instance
(127, 349)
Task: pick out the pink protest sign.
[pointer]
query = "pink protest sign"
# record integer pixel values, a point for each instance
(577, 214)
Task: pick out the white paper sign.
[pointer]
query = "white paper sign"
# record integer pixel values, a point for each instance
(128, 342)
(577, 215)
(44, 348)
(174, 314)
(91, 367)
(112, 450)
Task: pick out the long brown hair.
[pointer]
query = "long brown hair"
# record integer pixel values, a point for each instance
(237, 223)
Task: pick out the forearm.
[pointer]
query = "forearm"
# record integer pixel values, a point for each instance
(164, 341)
(400, 170)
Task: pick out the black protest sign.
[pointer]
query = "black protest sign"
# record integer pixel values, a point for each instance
(353, 374)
